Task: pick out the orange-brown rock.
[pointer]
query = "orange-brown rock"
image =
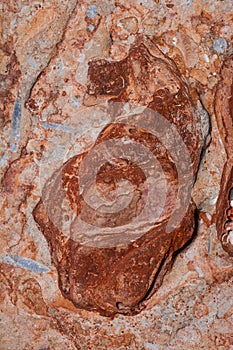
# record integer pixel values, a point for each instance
(106, 260)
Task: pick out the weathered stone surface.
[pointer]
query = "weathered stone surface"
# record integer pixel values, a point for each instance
(224, 114)
(50, 47)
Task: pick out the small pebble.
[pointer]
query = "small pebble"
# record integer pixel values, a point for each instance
(91, 27)
(92, 11)
(220, 45)
(231, 197)
(230, 213)
(231, 237)
(229, 225)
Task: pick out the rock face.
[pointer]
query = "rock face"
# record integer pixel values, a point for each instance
(112, 252)
(224, 114)
(110, 205)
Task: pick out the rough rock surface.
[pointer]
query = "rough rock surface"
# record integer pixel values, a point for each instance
(57, 106)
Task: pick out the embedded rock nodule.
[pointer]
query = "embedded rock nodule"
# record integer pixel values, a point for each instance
(115, 215)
